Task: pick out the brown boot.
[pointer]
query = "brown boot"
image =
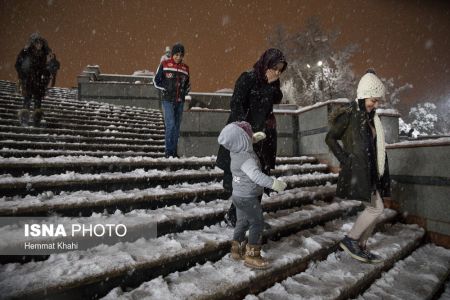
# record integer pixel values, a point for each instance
(253, 258)
(238, 250)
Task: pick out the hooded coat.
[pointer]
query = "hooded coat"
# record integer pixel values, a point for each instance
(31, 67)
(248, 179)
(252, 101)
(359, 175)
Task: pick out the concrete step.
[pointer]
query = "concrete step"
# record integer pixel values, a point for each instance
(67, 125)
(90, 164)
(87, 108)
(229, 279)
(84, 164)
(139, 178)
(50, 116)
(130, 264)
(342, 277)
(418, 277)
(61, 145)
(102, 134)
(17, 153)
(84, 203)
(168, 219)
(52, 98)
(76, 139)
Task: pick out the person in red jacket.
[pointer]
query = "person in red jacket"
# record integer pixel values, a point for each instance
(172, 78)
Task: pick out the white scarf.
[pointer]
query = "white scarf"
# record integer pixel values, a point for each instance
(381, 151)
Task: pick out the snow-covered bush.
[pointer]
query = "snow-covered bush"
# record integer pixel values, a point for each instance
(423, 118)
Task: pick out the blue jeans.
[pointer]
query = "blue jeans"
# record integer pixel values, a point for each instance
(172, 121)
(249, 217)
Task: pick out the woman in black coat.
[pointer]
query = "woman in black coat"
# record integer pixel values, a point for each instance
(364, 171)
(255, 93)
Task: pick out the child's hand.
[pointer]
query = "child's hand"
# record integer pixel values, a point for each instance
(279, 185)
(258, 136)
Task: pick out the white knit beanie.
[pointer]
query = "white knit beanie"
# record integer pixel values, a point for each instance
(370, 86)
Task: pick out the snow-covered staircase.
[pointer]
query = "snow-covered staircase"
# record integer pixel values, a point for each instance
(92, 162)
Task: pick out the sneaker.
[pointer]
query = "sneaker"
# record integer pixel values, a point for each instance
(373, 258)
(351, 246)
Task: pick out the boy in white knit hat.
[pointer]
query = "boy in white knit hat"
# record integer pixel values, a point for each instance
(364, 171)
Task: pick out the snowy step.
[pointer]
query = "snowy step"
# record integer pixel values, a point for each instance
(89, 164)
(342, 277)
(418, 277)
(55, 165)
(54, 100)
(138, 178)
(170, 219)
(63, 124)
(89, 110)
(62, 113)
(103, 134)
(229, 279)
(9, 152)
(83, 274)
(84, 203)
(71, 181)
(75, 139)
(51, 116)
(14, 144)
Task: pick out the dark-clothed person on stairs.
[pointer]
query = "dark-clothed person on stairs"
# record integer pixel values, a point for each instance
(364, 171)
(248, 185)
(172, 78)
(255, 93)
(31, 67)
(53, 66)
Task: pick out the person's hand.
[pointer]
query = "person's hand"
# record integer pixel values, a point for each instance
(258, 136)
(279, 185)
(272, 75)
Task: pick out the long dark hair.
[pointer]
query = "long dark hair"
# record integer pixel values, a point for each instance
(268, 60)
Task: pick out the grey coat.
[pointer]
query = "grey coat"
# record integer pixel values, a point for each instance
(248, 179)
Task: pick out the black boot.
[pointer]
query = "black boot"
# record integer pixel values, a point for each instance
(24, 116)
(37, 117)
(230, 216)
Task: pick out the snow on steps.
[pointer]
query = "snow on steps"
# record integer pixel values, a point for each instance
(83, 274)
(342, 277)
(64, 124)
(50, 145)
(172, 219)
(8, 152)
(228, 279)
(76, 139)
(86, 202)
(138, 178)
(87, 161)
(418, 277)
(51, 116)
(74, 105)
(72, 109)
(50, 166)
(107, 133)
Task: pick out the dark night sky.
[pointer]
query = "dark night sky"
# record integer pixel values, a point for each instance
(406, 40)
